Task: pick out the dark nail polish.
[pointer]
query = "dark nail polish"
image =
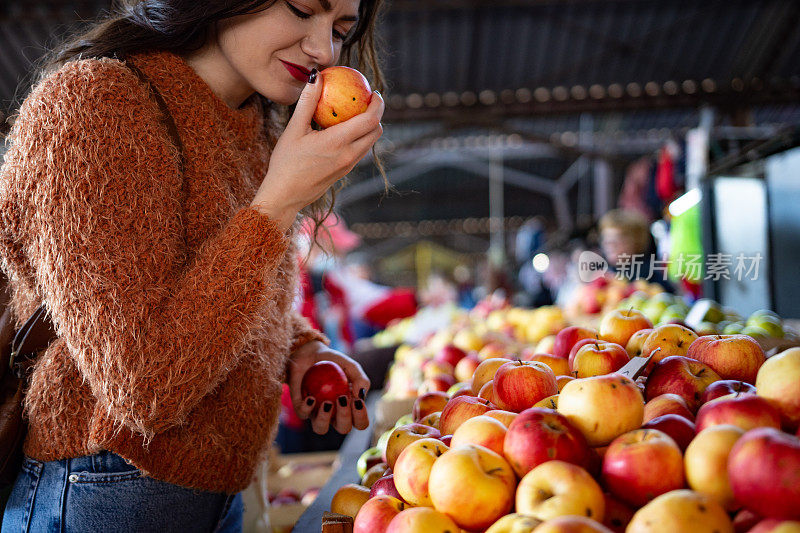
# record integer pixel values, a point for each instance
(362, 394)
(309, 401)
(327, 406)
(378, 93)
(313, 76)
(342, 401)
(359, 404)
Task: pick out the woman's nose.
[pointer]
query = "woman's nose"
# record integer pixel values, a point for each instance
(318, 44)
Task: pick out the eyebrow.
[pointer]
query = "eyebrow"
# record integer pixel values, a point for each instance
(326, 5)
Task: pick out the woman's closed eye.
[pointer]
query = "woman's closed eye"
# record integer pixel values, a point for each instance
(338, 34)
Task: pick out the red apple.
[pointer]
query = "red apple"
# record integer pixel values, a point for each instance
(487, 392)
(617, 514)
(598, 358)
(428, 403)
(520, 384)
(666, 404)
(724, 387)
(325, 381)
(451, 355)
(577, 346)
(482, 430)
(567, 337)
(537, 435)
(642, 464)
(618, 326)
(434, 369)
(731, 356)
(385, 487)
(680, 375)
(375, 515)
(460, 409)
(764, 471)
(679, 428)
(746, 411)
(446, 440)
(506, 417)
(441, 383)
(466, 367)
(345, 94)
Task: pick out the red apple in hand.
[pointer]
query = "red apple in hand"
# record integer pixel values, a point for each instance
(746, 411)
(537, 435)
(598, 358)
(567, 337)
(731, 356)
(325, 381)
(520, 384)
(680, 375)
(642, 464)
(345, 94)
(724, 387)
(764, 471)
(679, 428)
(618, 326)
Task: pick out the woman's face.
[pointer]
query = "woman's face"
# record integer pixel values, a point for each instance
(272, 52)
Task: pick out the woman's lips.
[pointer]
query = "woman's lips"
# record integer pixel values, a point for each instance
(299, 73)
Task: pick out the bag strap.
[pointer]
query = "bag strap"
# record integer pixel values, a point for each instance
(38, 331)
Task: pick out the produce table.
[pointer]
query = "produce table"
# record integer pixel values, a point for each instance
(354, 445)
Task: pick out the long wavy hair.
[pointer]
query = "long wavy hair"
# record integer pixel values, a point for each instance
(184, 26)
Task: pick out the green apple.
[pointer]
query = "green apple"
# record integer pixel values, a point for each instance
(732, 315)
(757, 332)
(367, 459)
(637, 300)
(769, 323)
(654, 307)
(405, 419)
(673, 312)
(383, 439)
(765, 312)
(706, 328)
(457, 387)
(733, 328)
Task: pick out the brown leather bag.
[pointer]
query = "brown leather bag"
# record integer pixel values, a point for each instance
(20, 348)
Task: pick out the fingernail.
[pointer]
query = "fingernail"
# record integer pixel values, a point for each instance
(378, 93)
(342, 401)
(309, 401)
(327, 406)
(313, 76)
(362, 393)
(359, 404)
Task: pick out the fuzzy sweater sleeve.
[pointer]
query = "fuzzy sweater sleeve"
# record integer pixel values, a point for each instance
(303, 333)
(91, 192)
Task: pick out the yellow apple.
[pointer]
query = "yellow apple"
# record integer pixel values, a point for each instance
(345, 94)
(546, 345)
(472, 485)
(514, 523)
(421, 520)
(778, 380)
(557, 488)
(681, 510)
(506, 417)
(481, 430)
(559, 365)
(673, 339)
(485, 372)
(413, 468)
(618, 326)
(602, 407)
(635, 343)
(551, 402)
(572, 524)
(706, 462)
(349, 499)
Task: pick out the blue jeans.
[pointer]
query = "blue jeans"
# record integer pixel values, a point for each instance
(103, 493)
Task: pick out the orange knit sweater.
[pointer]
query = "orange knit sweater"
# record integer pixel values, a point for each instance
(174, 321)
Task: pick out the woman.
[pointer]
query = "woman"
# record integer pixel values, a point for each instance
(167, 264)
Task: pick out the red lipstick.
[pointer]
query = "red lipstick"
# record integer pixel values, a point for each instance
(298, 72)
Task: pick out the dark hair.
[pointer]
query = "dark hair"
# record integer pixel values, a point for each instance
(183, 26)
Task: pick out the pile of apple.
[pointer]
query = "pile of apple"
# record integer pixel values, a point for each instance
(605, 293)
(706, 440)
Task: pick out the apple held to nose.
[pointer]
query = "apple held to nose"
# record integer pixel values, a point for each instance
(345, 94)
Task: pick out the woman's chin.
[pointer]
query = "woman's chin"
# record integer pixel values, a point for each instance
(286, 98)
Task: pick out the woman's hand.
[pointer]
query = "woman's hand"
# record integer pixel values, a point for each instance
(305, 163)
(347, 412)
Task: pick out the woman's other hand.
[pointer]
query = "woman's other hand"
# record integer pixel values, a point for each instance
(306, 163)
(347, 412)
